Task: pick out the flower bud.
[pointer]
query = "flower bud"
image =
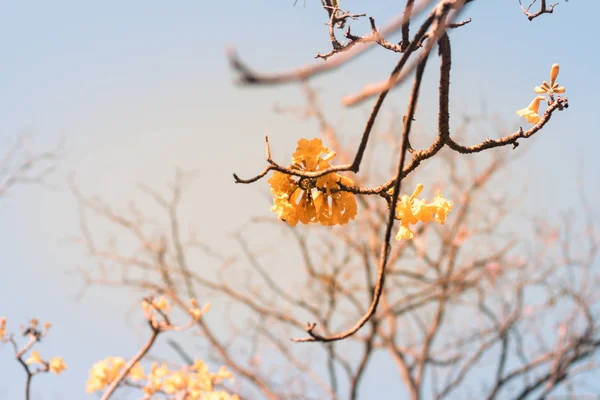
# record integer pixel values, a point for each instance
(554, 73)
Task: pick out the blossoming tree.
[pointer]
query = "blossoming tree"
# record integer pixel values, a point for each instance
(458, 306)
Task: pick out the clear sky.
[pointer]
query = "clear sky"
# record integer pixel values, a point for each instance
(137, 88)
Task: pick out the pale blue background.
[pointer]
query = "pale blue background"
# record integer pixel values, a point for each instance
(136, 88)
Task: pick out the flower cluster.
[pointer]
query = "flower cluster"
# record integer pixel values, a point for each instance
(319, 200)
(531, 112)
(106, 371)
(190, 383)
(193, 382)
(56, 364)
(410, 210)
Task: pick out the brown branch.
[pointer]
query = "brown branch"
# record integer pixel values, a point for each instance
(18, 167)
(437, 17)
(543, 9)
(559, 104)
(406, 15)
(385, 248)
(354, 167)
(247, 76)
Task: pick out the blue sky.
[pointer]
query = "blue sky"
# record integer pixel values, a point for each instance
(138, 88)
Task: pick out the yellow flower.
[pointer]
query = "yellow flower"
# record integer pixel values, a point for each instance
(175, 383)
(103, 373)
(154, 380)
(442, 208)
(2, 327)
(220, 395)
(160, 372)
(410, 210)
(223, 373)
(35, 358)
(94, 385)
(308, 200)
(114, 366)
(199, 366)
(198, 312)
(57, 365)
(161, 304)
(530, 113)
(192, 383)
(137, 372)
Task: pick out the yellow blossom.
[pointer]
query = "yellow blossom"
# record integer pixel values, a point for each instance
(410, 210)
(137, 372)
(442, 208)
(103, 373)
(159, 372)
(175, 383)
(196, 311)
(94, 385)
(192, 383)
(199, 366)
(35, 358)
(145, 305)
(223, 373)
(57, 365)
(161, 304)
(2, 327)
(309, 200)
(155, 379)
(530, 113)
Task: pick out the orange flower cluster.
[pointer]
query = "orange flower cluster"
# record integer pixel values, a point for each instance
(307, 200)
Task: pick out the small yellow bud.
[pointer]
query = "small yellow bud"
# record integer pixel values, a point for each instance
(554, 73)
(417, 191)
(197, 312)
(161, 304)
(2, 327)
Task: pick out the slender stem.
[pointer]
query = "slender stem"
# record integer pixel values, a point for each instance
(27, 380)
(19, 356)
(115, 383)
